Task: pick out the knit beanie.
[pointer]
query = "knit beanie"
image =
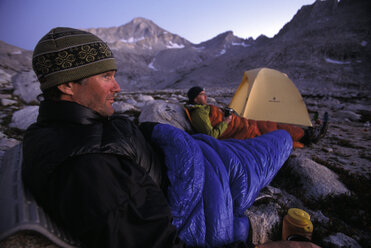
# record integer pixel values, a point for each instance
(65, 55)
(193, 93)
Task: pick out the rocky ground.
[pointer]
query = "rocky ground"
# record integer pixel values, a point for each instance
(330, 179)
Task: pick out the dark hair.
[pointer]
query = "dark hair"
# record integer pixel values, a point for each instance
(53, 93)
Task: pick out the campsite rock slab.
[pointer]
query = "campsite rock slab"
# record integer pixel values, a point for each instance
(317, 181)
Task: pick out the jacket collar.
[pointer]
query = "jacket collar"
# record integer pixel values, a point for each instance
(194, 106)
(65, 111)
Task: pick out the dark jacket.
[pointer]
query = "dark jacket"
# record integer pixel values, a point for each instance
(97, 177)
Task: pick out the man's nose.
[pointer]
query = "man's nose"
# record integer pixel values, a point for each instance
(116, 86)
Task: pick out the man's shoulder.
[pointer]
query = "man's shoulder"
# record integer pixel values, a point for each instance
(123, 123)
(121, 118)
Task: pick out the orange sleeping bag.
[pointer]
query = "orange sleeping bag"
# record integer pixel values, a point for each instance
(242, 128)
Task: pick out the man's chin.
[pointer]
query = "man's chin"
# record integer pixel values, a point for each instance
(107, 112)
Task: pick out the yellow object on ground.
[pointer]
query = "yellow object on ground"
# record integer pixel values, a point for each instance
(297, 223)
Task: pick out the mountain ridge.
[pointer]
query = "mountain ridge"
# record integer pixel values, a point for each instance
(323, 45)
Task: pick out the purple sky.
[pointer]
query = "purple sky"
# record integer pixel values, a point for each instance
(24, 22)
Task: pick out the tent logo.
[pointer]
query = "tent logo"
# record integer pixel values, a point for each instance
(274, 99)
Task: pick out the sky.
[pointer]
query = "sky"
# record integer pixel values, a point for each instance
(24, 22)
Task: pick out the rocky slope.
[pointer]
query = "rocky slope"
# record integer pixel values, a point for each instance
(334, 42)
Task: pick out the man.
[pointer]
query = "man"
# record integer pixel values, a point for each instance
(199, 113)
(211, 120)
(92, 172)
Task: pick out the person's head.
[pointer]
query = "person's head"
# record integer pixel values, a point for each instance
(197, 95)
(75, 65)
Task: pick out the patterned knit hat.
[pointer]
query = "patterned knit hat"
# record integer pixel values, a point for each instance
(65, 55)
(193, 93)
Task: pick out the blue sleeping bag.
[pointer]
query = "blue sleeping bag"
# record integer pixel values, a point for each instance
(213, 182)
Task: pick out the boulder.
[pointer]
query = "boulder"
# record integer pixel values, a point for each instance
(122, 107)
(7, 102)
(317, 180)
(5, 77)
(27, 86)
(6, 143)
(142, 100)
(264, 219)
(5, 80)
(145, 98)
(348, 115)
(166, 113)
(23, 118)
(340, 240)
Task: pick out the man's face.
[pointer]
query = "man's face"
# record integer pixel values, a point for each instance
(97, 92)
(201, 98)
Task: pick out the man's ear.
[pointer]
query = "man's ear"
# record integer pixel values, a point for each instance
(66, 88)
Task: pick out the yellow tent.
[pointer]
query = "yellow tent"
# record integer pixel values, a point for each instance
(269, 95)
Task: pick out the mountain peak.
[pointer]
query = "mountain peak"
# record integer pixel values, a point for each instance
(140, 34)
(137, 20)
(140, 28)
(222, 40)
